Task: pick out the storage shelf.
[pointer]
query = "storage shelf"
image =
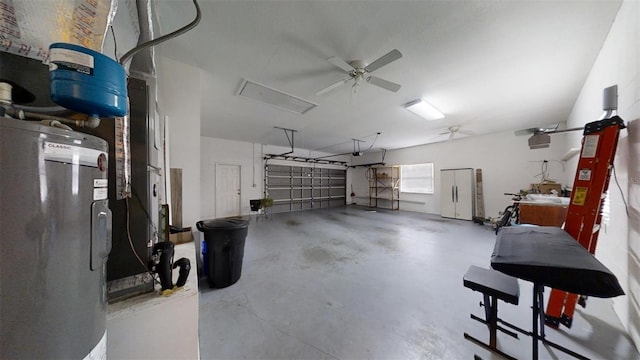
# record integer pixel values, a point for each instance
(384, 191)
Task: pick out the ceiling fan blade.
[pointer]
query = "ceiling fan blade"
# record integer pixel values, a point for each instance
(336, 61)
(451, 136)
(332, 86)
(389, 57)
(385, 84)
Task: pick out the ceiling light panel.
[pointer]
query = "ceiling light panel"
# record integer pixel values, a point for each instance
(424, 110)
(267, 95)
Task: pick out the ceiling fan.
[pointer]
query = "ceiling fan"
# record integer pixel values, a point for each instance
(454, 130)
(358, 72)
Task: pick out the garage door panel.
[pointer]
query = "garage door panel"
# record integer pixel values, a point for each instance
(296, 188)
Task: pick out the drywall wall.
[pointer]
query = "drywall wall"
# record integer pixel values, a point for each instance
(507, 164)
(250, 158)
(179, 99)
(229, 152)
(619, 240)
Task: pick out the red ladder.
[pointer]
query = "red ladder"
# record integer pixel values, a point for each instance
(584, 214)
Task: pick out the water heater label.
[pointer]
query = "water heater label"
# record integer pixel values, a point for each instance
(70, 154)
(100, 182)
(100, 194)
(67, 59)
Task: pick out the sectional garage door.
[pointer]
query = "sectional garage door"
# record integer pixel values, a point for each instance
(295, 188)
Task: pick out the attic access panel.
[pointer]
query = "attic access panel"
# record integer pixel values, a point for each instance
(273, 97)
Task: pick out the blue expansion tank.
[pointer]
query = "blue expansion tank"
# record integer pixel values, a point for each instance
(87, 81)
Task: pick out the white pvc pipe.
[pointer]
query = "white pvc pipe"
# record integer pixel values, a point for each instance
(5, 93)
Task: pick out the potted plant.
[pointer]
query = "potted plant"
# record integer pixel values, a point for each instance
(266, 202)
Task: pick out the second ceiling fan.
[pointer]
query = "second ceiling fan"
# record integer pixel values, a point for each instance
(456, 130)
(358, 72)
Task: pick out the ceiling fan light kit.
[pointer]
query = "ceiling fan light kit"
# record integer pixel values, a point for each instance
(424, 110)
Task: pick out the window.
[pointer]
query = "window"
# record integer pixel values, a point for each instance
(416, 178)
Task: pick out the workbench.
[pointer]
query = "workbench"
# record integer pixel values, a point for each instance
(543, 213)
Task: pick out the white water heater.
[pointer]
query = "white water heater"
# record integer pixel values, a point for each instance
(55, 236)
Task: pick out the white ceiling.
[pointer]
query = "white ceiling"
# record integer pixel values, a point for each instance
(489, 66)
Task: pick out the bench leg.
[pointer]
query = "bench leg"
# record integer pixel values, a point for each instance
(491, 320)
(490, 348)
(491, 309)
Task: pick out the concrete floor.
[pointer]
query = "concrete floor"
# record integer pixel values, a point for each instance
(350, 283)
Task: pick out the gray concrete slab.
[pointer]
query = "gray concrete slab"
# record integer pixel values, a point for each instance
(350, 283)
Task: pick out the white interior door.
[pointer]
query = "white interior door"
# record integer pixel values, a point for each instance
(227, 190)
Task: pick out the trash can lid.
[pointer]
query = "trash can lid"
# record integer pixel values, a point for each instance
(230, 223)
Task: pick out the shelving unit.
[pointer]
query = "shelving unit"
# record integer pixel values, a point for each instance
(294, 188)
(384, 187)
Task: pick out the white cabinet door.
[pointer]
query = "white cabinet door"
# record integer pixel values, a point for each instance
(447, 193)
(464, 194)
(456, 197)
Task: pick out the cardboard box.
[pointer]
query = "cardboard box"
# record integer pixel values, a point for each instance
(181, 237)
(545, 188)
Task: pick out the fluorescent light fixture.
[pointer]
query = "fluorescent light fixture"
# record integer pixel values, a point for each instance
(424, 110)
(275, 97)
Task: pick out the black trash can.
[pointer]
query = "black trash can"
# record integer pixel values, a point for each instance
(225, 248)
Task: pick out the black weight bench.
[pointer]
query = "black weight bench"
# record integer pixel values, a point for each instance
(494, 286)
